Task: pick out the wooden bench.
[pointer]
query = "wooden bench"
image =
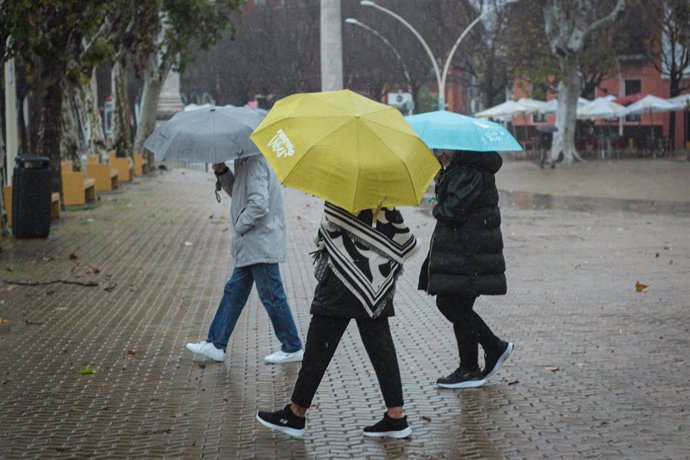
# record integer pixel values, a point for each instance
(141, 166)
(77, 190)
(106, 175)
(7, 197)
(124, 166)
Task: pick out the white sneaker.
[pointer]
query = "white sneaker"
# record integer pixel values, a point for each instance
(280, 357)
(207, 349)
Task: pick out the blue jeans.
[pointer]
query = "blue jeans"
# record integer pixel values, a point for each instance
(272, 295)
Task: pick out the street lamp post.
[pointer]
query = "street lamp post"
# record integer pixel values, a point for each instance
(440, 77)
(355, 22)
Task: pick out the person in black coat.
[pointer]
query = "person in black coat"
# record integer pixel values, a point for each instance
(465, 260)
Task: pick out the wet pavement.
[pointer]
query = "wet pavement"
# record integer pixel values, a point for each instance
(600, 370)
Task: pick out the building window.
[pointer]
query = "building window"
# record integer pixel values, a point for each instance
(538, 118)
(633, 87)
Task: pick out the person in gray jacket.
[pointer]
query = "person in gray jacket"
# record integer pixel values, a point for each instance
(258, 245)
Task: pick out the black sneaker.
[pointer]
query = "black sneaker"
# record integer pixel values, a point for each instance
(283, 420)
(462, 378)
(493, 361)
(389, 428)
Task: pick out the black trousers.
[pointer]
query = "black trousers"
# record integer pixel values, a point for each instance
(323, 337)
(469, 328)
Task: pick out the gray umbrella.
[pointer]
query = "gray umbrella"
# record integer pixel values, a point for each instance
(207, 135)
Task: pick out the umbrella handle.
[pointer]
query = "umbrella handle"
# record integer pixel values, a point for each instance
(377, 210)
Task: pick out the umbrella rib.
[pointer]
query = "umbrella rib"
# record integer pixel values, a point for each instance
(399, 159)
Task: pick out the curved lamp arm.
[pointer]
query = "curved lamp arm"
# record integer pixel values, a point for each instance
(416, 34)
(355, 22)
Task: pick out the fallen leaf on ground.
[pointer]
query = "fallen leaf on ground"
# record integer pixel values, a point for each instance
(131, 352)
(676, 361)
(93, 271)
(513, 382)
(424, 417)
(73, 256)
(86, 371)
(639, 287)
(47, 258)
(4, 321)
(187, 243)
(553, 369)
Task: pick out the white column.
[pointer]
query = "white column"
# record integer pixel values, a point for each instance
(11, 144)
(169, 102)
(331, 46)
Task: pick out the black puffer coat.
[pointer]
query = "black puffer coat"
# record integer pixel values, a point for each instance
(466, 252)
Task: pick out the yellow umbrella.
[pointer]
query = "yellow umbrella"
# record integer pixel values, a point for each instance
(347, 149)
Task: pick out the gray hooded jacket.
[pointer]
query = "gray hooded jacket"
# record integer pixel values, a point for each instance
(257, 217)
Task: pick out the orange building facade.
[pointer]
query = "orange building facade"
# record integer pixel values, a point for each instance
(636, 77)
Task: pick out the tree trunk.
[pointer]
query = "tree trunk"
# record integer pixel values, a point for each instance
(154, 77)
(122, 126)
(69, 141)
(563, 147)
(91, 117)
(49, 128)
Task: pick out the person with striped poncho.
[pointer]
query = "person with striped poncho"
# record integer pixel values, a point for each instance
(358, 261)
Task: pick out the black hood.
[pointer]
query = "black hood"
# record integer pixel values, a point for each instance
(489, 161)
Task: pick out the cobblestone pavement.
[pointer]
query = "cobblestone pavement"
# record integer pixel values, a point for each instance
(599, 371)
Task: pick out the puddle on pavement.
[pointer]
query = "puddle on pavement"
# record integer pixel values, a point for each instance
(526, 200)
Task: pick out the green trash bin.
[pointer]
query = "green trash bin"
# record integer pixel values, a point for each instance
(31, 185)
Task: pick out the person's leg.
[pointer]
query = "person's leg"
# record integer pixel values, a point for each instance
(323, 337)
(272, 295)
(376, 336)
(234, 298)
(378, 342)
(458, 310)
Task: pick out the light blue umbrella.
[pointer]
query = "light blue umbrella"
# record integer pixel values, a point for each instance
(452, 131)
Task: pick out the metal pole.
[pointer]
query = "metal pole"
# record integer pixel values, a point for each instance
(441, 96)
(331, 46)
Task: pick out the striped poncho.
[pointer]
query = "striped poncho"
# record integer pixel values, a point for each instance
(366, 256)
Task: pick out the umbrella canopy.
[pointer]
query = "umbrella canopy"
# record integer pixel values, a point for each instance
(532, 105)
(206, 135)
(507, 109)
(629, 99)
(600, 108)
(347, 149)
(680, 102)
(552, 105)
(193, 106)
(648, 104)
(452, 131)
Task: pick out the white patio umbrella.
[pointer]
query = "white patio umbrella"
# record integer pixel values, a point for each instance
(507, 109)
(602, 107)
(680, 102)
(532, 105)
(550, 106)
(649, 104)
